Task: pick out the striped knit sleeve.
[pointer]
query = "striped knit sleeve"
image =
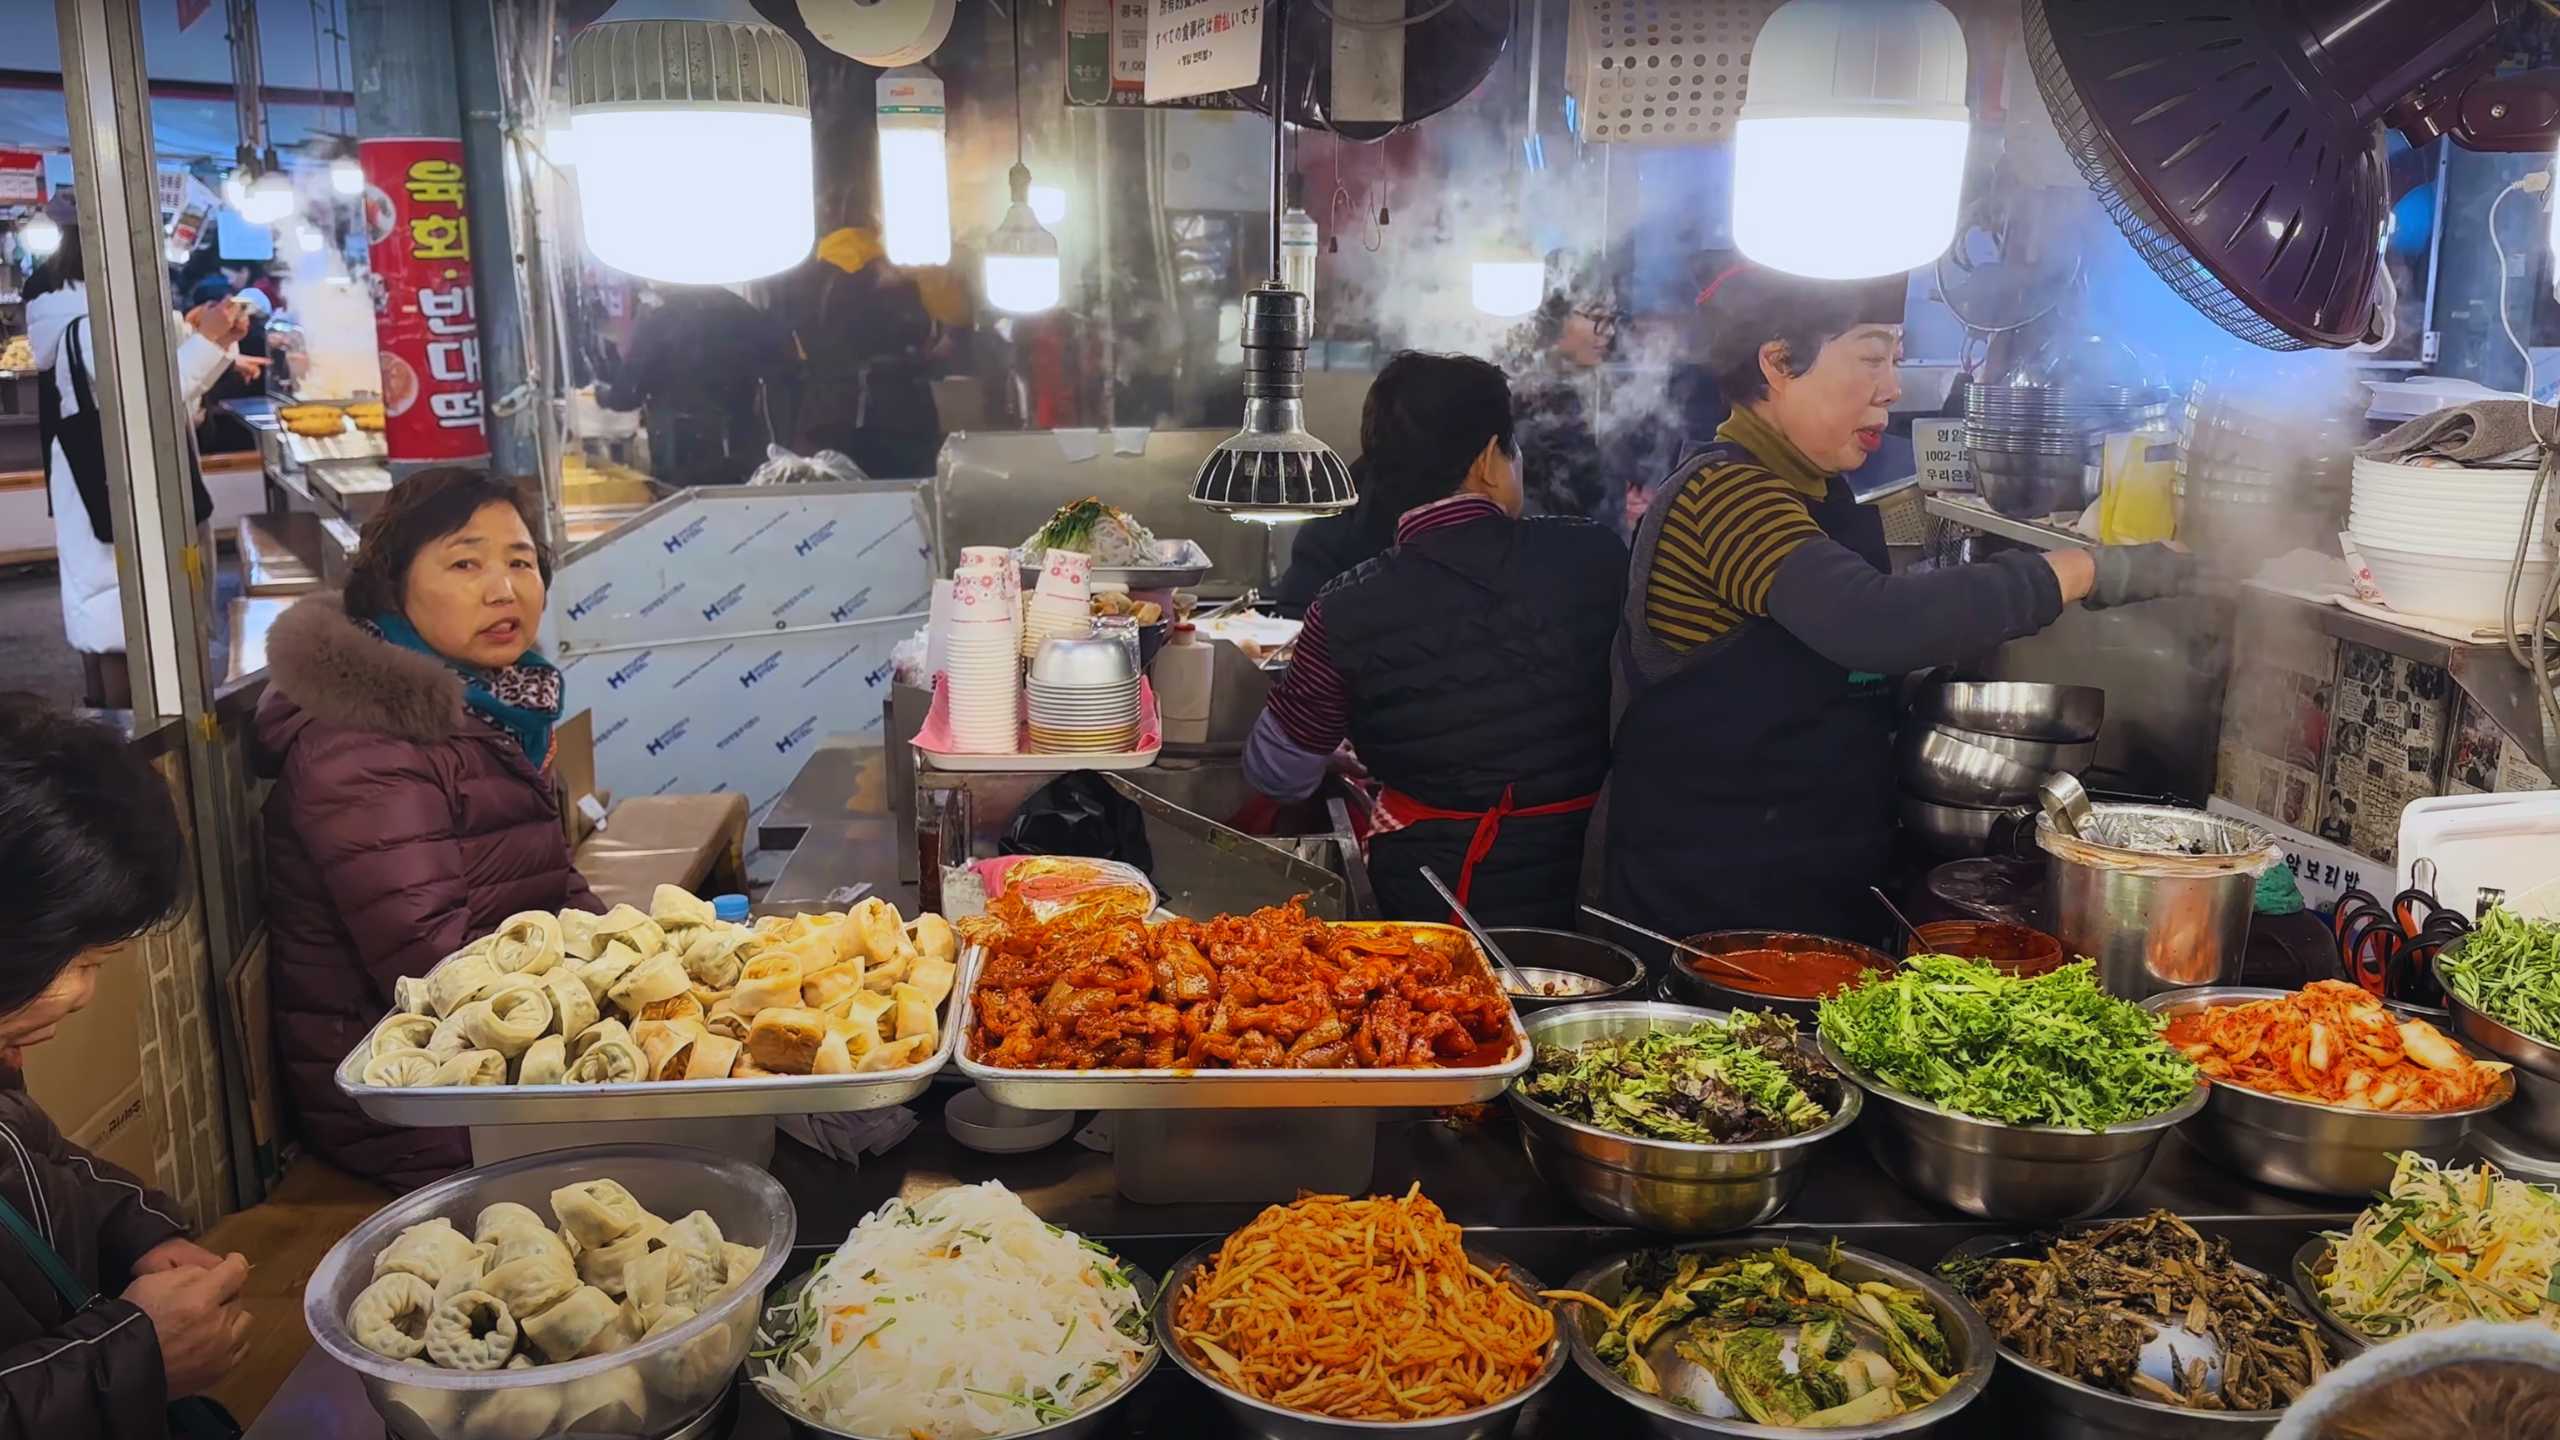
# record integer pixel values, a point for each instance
(1728, 529)
(1309, 703)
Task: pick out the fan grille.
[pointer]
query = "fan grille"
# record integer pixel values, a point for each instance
(1238, 476)
(2277, 252)
(1661, 72)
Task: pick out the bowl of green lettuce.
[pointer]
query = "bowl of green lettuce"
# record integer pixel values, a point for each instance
(2009, 1097)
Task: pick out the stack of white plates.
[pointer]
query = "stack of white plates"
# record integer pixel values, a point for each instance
(2441, 539)
(982, 676)
(1084, 697)
(1073, 718)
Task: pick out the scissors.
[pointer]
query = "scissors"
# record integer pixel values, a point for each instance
(2391, 950)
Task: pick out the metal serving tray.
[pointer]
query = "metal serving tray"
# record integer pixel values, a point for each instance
(641, 1100)
(1182, 563)
(1240, 1089)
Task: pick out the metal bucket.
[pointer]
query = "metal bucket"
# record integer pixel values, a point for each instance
(2158, 896)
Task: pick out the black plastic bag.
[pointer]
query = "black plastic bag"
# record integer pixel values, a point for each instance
(1080, 814)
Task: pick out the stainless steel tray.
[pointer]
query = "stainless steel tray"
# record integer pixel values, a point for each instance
(1187, 564)
(642, 1100)
(1237, 1089)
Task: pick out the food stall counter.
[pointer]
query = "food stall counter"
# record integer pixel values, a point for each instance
(1479, 1174)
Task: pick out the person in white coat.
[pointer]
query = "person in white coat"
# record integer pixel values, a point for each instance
(83, 524)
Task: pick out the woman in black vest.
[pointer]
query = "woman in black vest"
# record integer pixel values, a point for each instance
(1468, 665)
(1763, 626)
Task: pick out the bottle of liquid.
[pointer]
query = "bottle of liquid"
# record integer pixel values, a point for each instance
(1182, 678)
(1298, 242)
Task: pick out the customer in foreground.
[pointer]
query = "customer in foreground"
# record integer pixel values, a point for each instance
(91, 851)
(407, 724)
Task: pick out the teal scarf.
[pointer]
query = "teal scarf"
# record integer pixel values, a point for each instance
(523, 699)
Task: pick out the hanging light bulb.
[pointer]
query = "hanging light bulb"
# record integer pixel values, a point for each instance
(745, 119)
(308, 239)
(40, 235)
(1021, 266)
(346, 176)
(1507, 281)
(915, 173)
(270, 199)
(1273, 471)
(1049, 204)
(1872, 88)
(1298, 238)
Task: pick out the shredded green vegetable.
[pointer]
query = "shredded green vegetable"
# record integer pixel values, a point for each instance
(2051, 1049)
(2509, 970)
(1717, 1083)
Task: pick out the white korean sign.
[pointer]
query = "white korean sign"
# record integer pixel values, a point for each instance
(1196, 47)
(1939, 449)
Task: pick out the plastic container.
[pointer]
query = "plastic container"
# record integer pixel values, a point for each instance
(653, 1389)
(1183, 675)
(729, 909)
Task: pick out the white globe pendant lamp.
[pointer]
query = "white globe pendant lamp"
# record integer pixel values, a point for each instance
(1849, 154)
(666, 92)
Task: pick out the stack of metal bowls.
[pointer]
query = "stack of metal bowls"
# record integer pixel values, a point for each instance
(1969, 1346)
(2007, 1172)
(1671, 1186)
(2304, 1145)
(1976, 750)
(2042, 406)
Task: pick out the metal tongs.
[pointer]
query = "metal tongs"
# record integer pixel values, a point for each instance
(1721, 962)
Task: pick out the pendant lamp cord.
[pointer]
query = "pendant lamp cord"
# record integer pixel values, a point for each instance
(1017, 81)
(1279, 124)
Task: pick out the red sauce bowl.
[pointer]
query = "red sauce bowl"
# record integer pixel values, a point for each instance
(1779, 970)
(2013, 948)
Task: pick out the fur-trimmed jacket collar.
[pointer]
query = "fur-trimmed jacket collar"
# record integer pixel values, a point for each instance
(322, 667)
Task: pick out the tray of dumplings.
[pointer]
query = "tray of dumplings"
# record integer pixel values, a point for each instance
(609, 1290)
(662, 1014)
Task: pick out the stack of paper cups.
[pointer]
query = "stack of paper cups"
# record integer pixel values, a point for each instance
(937, 631)
(982, 679)
(1063, 605)
(1003, 562)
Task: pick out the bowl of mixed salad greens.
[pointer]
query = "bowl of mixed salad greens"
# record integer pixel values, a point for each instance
(1679, 1120)
(2005, 1096)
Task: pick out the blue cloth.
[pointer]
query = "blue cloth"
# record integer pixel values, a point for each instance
(530, 725)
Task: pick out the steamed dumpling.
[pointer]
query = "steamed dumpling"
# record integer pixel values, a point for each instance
(426, 1250)
(564, 1331)
(509, 1019)
(546, 1063)
(573, 1006)
(401, 1068)
(578, 935)
(598, 1212)
(390, 1317)
(501, 1217)
(673, 905)
(660, 977)
(533, 1283)
(527, 943)
(459, 981)
(403, 1032)
(471, 1331)
(474, 1067)
(608, 1062)
(607, 1267)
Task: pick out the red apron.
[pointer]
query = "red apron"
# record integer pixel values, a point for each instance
(1398, 810)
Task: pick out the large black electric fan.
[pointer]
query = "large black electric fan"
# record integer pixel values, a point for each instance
(2238, 143)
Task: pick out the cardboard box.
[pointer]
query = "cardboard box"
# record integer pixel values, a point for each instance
(252, 1036)
(653, 840)
(573, 768)
(88, 1077)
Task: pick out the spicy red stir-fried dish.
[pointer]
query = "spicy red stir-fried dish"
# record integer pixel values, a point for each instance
(1276, 989)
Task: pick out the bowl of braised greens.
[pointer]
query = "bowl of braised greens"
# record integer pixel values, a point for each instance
(1746, 1338)
(1680, 1120)
(2011, 1097)
(2140, 1327)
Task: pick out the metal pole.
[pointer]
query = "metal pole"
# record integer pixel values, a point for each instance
(248, 73)
(163, 553)
(510, 379)
(405, 78)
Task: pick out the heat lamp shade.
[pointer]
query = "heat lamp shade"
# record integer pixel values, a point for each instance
(1849, 152)
(638, 167)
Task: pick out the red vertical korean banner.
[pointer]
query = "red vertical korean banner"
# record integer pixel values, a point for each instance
(425, 316)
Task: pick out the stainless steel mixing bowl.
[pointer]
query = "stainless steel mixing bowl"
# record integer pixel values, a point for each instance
(1666, 1185)
(2303, 1145)
(2007, 1172)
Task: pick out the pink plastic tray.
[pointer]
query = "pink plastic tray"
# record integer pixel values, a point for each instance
(933, 743)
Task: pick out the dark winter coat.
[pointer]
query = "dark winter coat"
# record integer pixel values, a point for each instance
(400, 828)
(94, 1374)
